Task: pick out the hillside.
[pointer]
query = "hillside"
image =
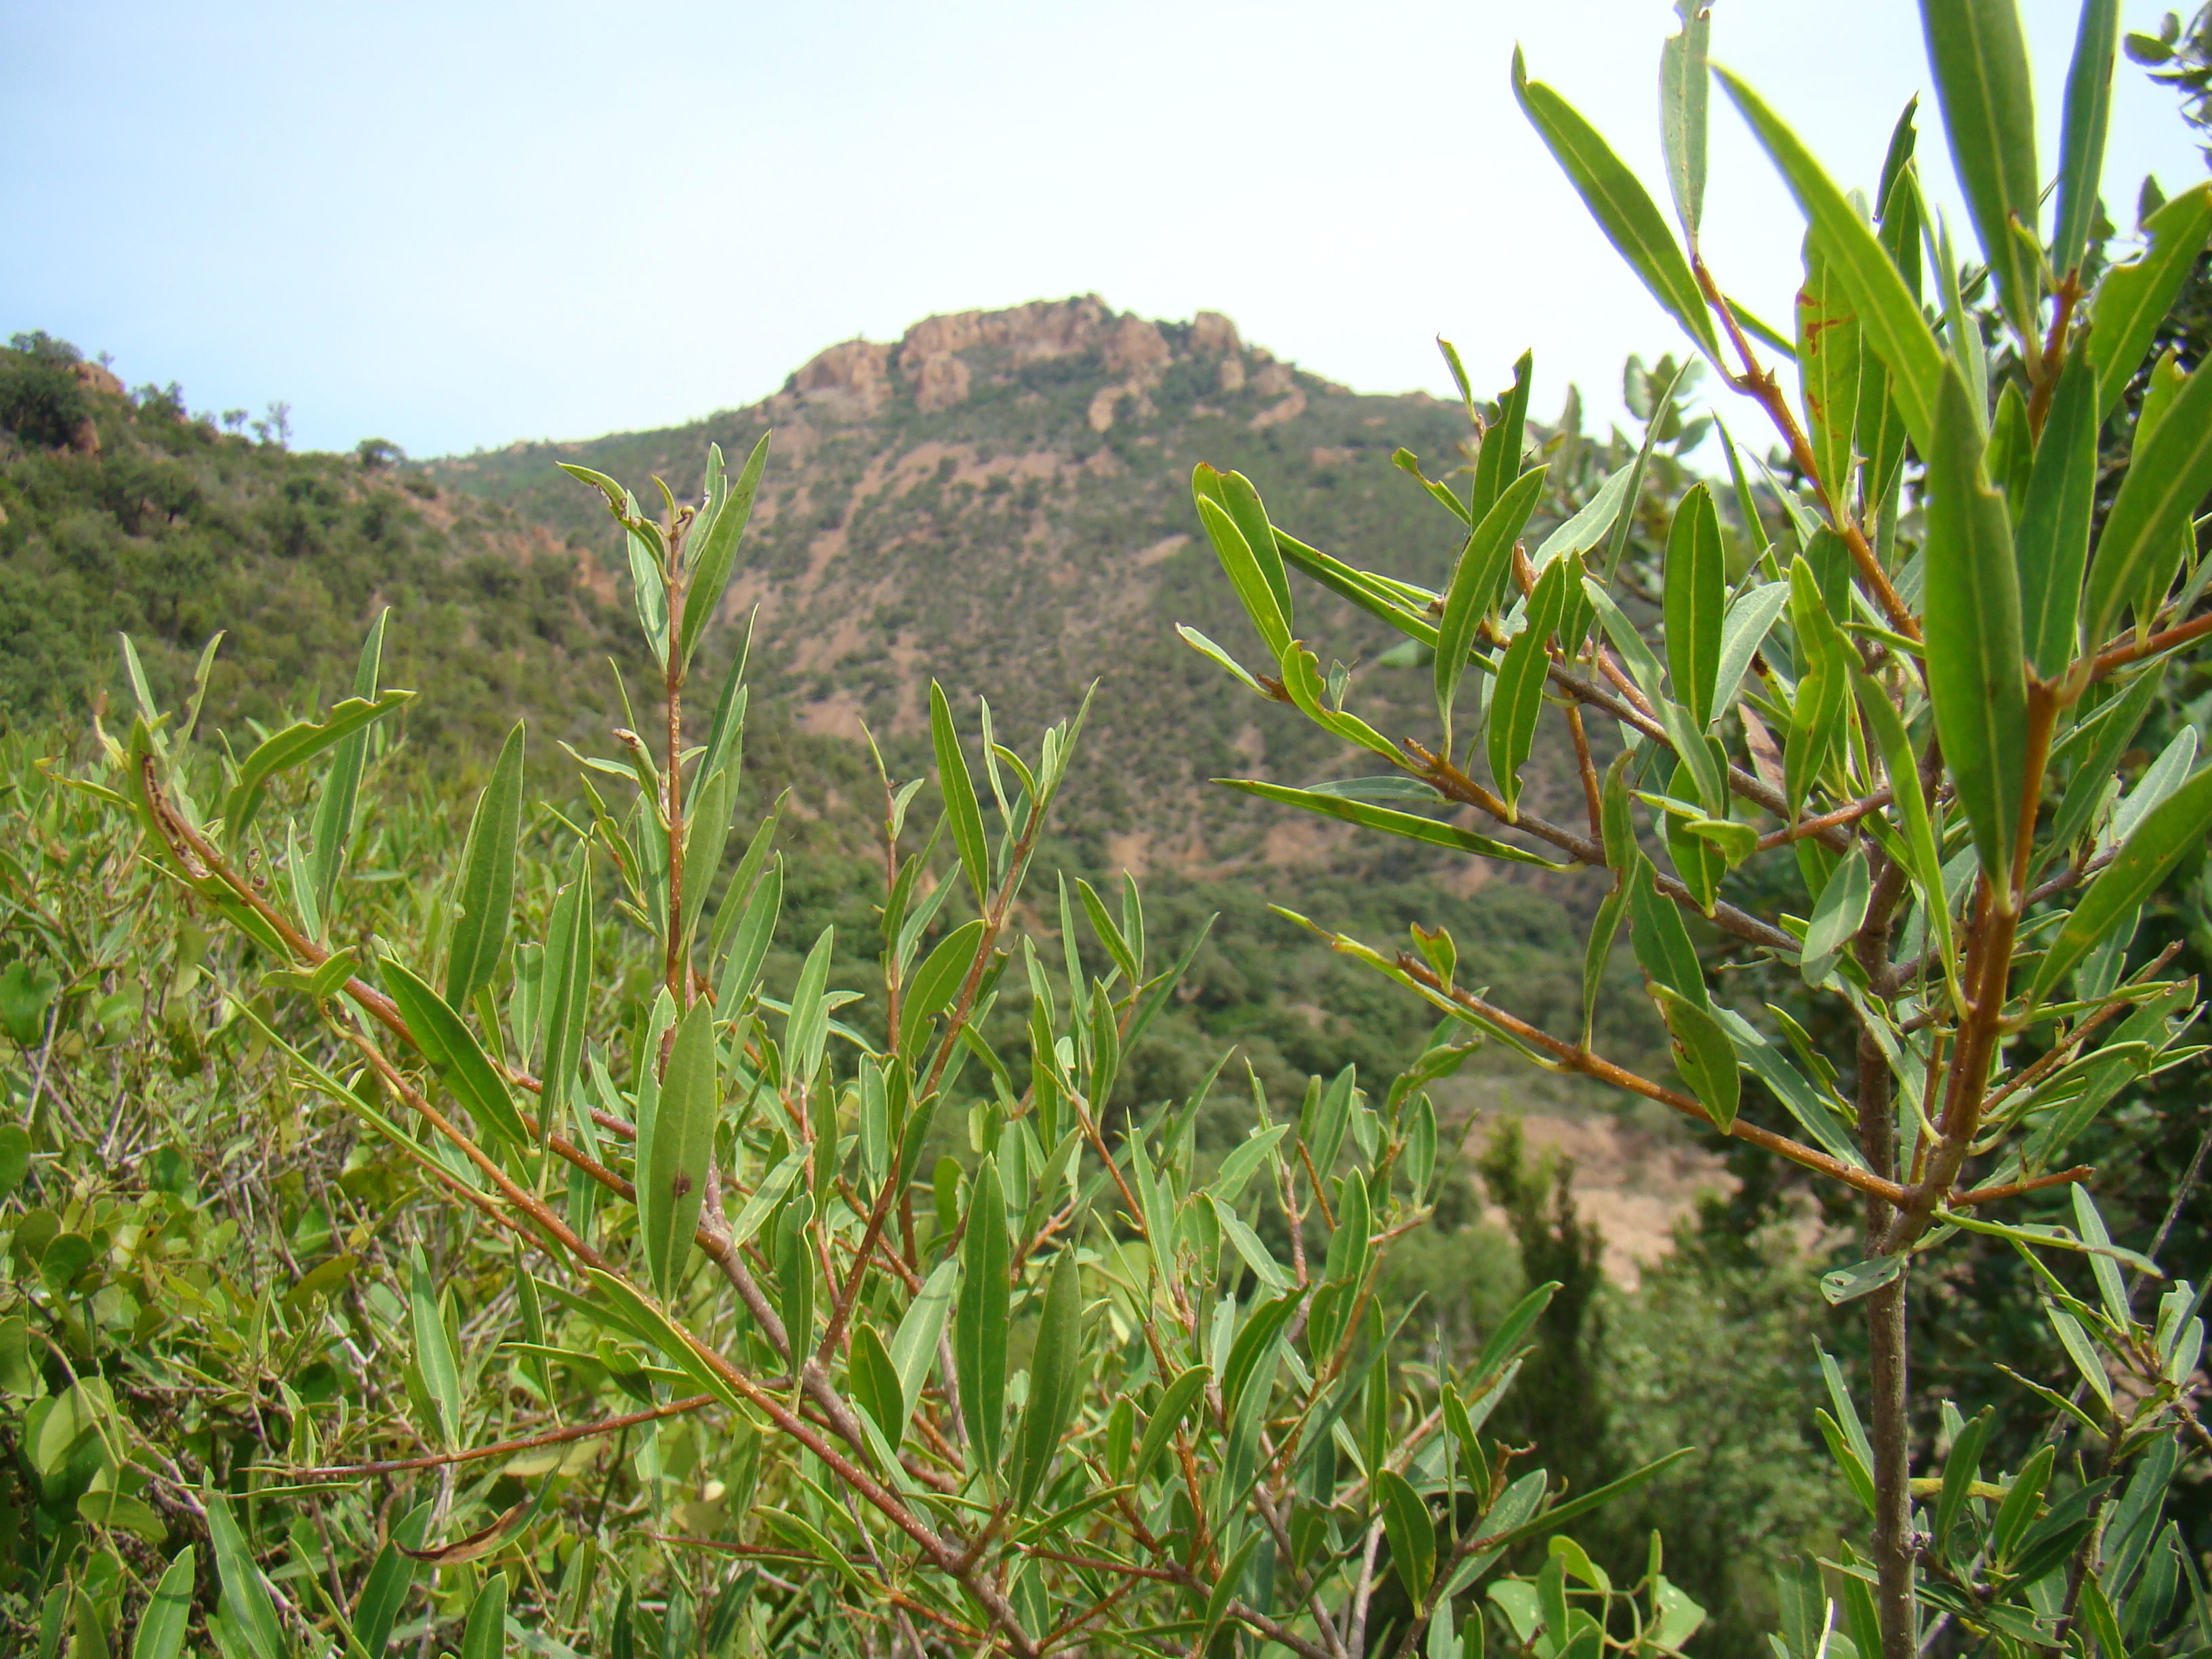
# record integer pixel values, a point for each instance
(1000, 500)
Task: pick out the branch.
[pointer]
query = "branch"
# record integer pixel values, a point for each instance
(1572, 1059)
(508, 1448)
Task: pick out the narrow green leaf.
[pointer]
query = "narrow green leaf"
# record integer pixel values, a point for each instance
(1980, 61)
(245, 1596)
(1234, 494)
(935, 982)
(755, 930)
(1682, 113)
(979, 1329)
(1696, 595)
(874, 1383)
(2053, 536)
(2134, 297)
(1828, 371)
(1174, 1404)
(1246, 574)
(1890, 322)
(567, 990)
(2082, 138)
(485, 1635)
(913, 1345)
(673, 1147)
(1517, 700)
(1837, 914)
(1703, 1056)
(1411, 825)
(485, 893)
(1909, 810)
(959, 792)
(1975, 678)
(1474, 583)
(168, 1612)
(2171, 829)
(433, 1351)
(1618, 201)
(806, 1027)
(296, 743)
(334, 808)
(453, 1050)
(716, 556)
(1412, 1533)
(1661, 940)
(1055, 1367)
(2143, 533)
(1497, 463)
(706, 837)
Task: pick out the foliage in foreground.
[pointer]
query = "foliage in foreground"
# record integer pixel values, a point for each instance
(1879, 750)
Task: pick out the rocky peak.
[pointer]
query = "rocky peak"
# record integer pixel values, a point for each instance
(854, 379)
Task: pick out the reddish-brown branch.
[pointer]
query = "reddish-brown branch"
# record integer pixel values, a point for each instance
(1571, 1058)
(508, 1448)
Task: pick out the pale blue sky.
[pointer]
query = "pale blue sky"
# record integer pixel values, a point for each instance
(459, 223)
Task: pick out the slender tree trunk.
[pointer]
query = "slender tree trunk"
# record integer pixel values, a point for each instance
(1893, 1519)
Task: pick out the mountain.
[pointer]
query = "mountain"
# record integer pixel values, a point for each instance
(1000, 500)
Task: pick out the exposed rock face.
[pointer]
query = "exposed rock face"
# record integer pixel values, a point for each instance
(848, 379)
(94, 378)
(1212, 334)
(941, 382)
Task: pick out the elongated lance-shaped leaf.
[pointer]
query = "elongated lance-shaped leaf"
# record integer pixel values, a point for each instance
(1979, 57)
(1975, 677)
(2081, 134)
(1696, 595)
(1683, 87)
(433, 1351)
(2173, 828)
(485, 1635)
(716, 555)
(1622, 207)
(1412, 1533)
(979, 1327)
(1890, 322)
(449, 1044)
(245, 1596)
(1234, 494)
(673, 1147)
(1498, 464)
(1248, 568)
(960, 806)
(568, 991)
(1055, 1373)
(2133, 298)
(2142, 539)
(935, 982)
(1922, 858)
(2052, 537)
(1659, 938)
(807, 1029)
(1828, 372)
(334, 810)
(1703, 1056)
(705, 837)
(486, 893)
(298, 743)
(1475, 581)
(168, 1612)
(1518, 699)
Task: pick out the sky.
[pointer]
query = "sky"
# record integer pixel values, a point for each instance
(455, 225)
